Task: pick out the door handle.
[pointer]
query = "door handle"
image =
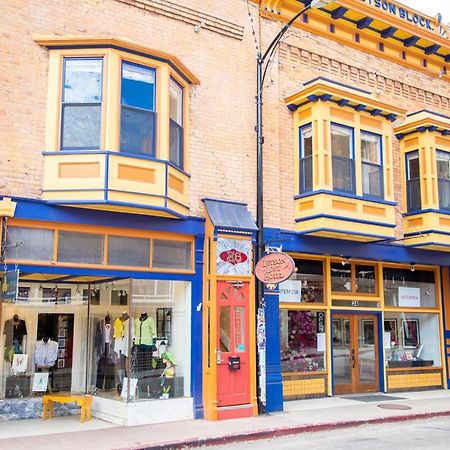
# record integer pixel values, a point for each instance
(352, 359)
(218, 357)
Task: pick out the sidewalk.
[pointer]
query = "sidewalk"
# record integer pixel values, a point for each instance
(299, 416)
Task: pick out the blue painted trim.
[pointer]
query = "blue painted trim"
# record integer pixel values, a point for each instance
(345, 195)
(196, 331)
(364, 23)
(381, 361)
(295, 242)
(338, 12)
(426, 211)
(115, 203)
(110, 152)
(427, 244)
(102, 272)
(34, 209)
(434, 113)
(411, 41)
(345, 233)
(344, 219)
(388, 32)
(446, 332)
(126, 50)
(445, 233)
(432, 49)
(337, 83)
(223, 201)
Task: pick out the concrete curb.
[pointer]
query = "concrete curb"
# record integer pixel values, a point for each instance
(285, 431)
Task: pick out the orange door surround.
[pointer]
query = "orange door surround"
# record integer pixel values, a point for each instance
(233, 368)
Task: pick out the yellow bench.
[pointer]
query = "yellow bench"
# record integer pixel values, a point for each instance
(83, 401)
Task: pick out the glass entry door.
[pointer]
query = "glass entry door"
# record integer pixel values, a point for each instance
(355, 353)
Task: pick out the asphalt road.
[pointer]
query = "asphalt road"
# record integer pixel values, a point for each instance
(414, 434)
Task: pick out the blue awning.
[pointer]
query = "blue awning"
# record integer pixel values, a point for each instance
(227, 215)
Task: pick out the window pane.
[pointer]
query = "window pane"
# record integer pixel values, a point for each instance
(341, 141)
(298, 341)
(341, 277)
(370, 148)
(82, 80)
(137, 131)
(371, 179)
(306, 141)
(443, 165)
(81, 126)
(413, 193)
(127, 251)
(444, 194)
(413, 165)
(29, 243)
(138, 86)
(176, 144)
(397, 284)
(176, 102)
(80, 247)
(306, 174)
(172, 254)
(365, 279)
(342, 174)
(225, 329)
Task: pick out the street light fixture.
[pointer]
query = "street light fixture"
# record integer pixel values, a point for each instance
(261, 60)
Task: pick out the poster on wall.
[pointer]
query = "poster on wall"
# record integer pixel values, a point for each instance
(409, 297)
(19, 364)
(40, 382)
(233, 256)
(9, 283)
(290, 291)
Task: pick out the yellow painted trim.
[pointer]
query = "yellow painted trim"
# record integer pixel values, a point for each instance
(71, 40)
(79, 170)
(134, 173)
(163, 108)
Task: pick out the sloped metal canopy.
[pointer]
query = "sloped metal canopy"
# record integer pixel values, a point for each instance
(229, 215)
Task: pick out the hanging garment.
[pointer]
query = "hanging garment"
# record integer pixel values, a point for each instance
(121, 337)
(105, 373)
(14, 330)
(45, 353)
(144, 331)
(103, 340)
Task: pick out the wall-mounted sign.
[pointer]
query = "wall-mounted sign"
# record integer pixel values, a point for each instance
(409, 297)
(233, 256)
(290, 291)
(9, 282)
(402, 13)
(274, 268)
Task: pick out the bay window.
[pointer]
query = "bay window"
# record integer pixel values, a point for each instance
(343, 163)
(443, 175)
(81, 103)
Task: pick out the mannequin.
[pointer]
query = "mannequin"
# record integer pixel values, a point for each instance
(15, 329)
(103, 347)
(144, 339)
(121, 333)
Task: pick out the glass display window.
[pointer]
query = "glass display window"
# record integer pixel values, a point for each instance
(302, 341)
(407, 288)
(305, 285)
(354, 278)
(411, 340)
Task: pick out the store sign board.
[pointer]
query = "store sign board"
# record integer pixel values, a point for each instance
(233, 256)
(274, 268)
(409, 297)
(290, 291)
(9, 284)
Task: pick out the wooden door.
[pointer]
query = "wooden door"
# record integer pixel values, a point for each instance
(355, 353)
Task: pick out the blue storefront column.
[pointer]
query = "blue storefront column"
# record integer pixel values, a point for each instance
(274, 385)
(196, 331)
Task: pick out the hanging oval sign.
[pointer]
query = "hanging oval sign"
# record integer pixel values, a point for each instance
(274, 268)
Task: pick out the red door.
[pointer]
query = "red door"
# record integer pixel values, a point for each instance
(233, 374)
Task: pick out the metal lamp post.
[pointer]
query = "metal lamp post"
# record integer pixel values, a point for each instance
(262, 61)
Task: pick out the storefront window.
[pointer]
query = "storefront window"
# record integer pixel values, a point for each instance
(409, 288)
(347, 277)
(302, 340)
(124, 339)
(411, 340)
(305, 285)
(30, 243)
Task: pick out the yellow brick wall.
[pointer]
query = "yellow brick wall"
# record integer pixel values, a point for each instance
(222, 108)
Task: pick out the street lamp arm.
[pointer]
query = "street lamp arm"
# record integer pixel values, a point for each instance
(282, 32)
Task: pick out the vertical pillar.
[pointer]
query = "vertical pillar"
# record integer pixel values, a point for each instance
(274, 382)
(196, 330)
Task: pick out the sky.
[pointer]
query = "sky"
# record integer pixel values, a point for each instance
(430, 7)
